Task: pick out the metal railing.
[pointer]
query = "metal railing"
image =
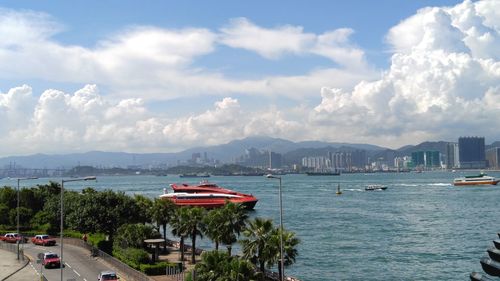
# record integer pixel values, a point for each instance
(12, 248)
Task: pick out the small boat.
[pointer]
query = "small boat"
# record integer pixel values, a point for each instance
(338, 190)
(481, 179)
(209, 200)
(475, 276)
(490, 266)
(496, 242)
(494, 254)
(373, 187)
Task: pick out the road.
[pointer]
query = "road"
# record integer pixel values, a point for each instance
(78, 264)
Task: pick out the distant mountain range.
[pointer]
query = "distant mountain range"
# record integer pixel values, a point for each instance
(224, 152)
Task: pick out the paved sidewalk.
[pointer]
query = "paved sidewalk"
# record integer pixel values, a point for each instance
(10, 266)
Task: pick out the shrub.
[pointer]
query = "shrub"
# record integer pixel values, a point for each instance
(156, 269)
(132, 256)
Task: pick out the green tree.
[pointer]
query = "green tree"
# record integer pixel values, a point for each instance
(143, 205)
(213, 221)
(218, 266)
(8, 196)
(161, 212)
(188, 221)
(179, 227)
(194, 226)
(290, 252)
(257, 244)
(133, 235)
(4, 214)
(25, 215)
(235, 218)
(102, 212)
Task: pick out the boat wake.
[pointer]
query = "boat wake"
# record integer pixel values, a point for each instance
(440, 184)
(408, 184)
(352, 189)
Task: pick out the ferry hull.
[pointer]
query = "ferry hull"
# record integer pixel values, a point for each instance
(495, 182)
(248, 202)
(249, 205)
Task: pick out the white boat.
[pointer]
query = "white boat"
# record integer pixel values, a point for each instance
(481, 179)
(373, 187)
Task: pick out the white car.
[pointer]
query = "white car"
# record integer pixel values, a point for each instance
(107, 276)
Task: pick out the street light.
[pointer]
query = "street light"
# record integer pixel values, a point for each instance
(18, 180)
(270, 176)
(62, 214)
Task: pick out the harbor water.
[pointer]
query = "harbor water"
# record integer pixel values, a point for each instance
(420, 228)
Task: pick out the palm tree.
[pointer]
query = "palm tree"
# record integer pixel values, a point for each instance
(161, 212)
(219, 266)
(194, 225)
(179, 227)
(257, 246)
(290, 252)
(213, 221)
(188, 222)
(235, 219)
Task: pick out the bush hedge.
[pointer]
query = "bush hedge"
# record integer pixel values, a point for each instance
(133, 257)
(156, 269)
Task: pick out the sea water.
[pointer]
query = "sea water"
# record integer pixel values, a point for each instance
(420, 228)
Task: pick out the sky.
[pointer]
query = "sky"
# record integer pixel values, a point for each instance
(164, 76)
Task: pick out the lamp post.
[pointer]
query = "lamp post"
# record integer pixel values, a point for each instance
(62, 214)
(18, 180)
(270, 176)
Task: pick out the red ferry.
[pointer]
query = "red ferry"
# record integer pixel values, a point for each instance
(207, 195)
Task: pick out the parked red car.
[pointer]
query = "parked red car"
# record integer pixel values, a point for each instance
(13, 238)
(51, 260)
(44, 240)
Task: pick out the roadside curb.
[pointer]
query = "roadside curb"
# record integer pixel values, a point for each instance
(19, 269)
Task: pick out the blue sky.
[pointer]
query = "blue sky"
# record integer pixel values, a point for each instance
(168, 75)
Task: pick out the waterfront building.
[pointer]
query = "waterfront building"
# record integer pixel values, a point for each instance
(452, 157)
(493, 157)
(341, 160)
(317, 162)
(418, 159)
(471, 152)
(427, 159)
(359, 159)
(401, 163)
(275, 160)
(432, 159)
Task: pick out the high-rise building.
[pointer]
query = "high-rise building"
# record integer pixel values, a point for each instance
(471, 152)
(318, 162)
(359, 159)
(428, 159)
(493, 157)
(418, 158)
(341, 160)
(452, 155)
(432, 159)
(275, 160)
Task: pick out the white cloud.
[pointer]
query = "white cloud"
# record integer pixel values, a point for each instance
(158, 63)
(269, 43)
(443, 82)
(274, 43)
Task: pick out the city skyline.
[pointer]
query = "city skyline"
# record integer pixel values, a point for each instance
(168, 76)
